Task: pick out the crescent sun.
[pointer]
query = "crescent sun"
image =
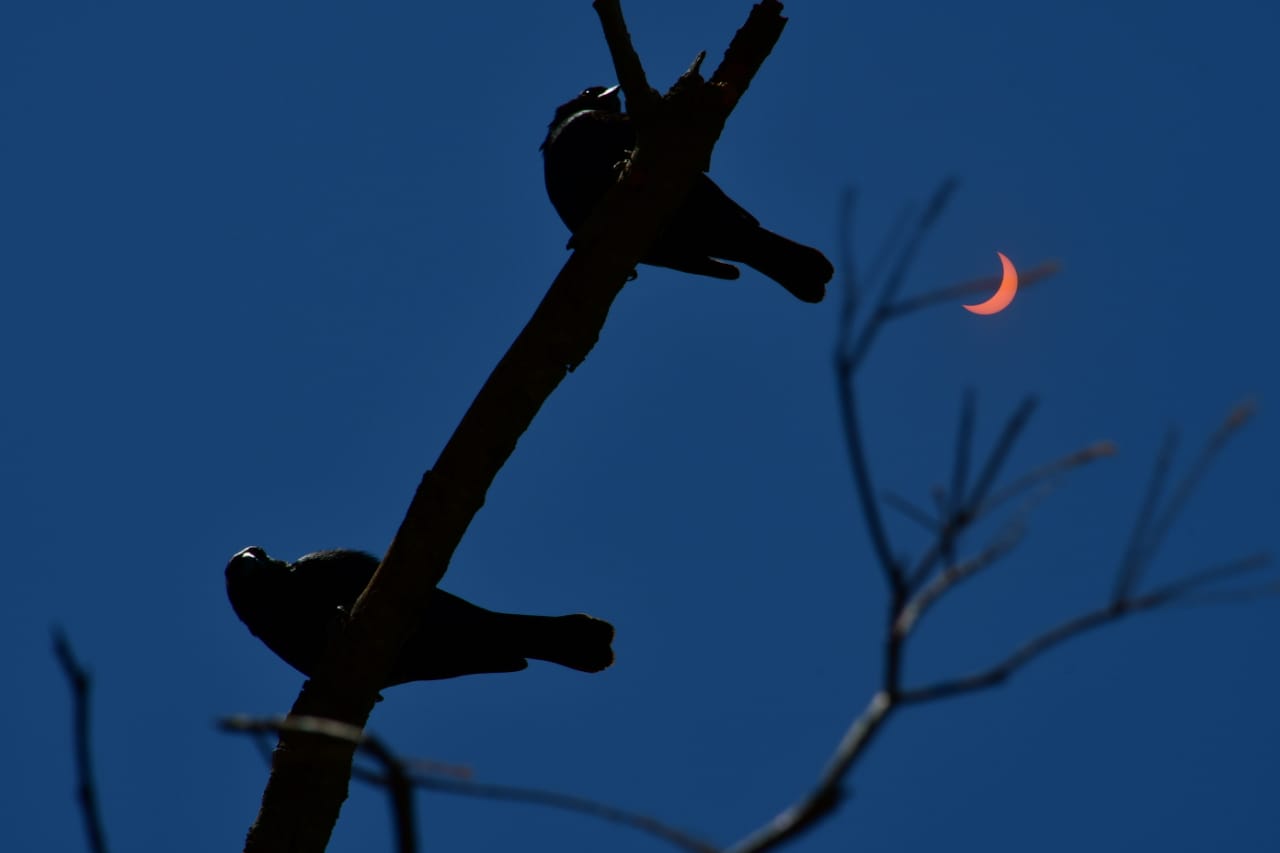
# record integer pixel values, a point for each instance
(1004, 294)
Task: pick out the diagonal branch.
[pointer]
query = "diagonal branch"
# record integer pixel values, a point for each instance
(1181, 591)
(1135, 553)
(984, 285)
(399, 779)
(1045, 474)
(1004, 446)
(310, 773)
(827, 794)
(855, 351)
(556, 800)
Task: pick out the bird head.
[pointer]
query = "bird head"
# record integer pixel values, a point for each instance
(600, 98)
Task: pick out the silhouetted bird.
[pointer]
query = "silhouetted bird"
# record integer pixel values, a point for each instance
(291, 608)
(589, 140)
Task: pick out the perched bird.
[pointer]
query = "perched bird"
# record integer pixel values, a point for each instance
(291, 608)
(588, 141)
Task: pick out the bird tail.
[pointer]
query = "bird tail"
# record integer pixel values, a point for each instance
(802, 270)
(579, 641)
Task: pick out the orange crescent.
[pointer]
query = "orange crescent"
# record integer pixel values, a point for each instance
(1004, 294)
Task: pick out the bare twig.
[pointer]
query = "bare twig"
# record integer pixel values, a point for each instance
(921, 517)
(826, 795)
(1136, 552)
(1152, 524)
(862, 481)
(399, 777)
(984, 285)
(86, 790)
(963, 453)
(849, 353)
(1004, 445)
(948, 578)
(853, 355)
(963, 514)
(1239, 415)
(1044, 474)
(1196, 581)
(1179, 592)
(556, 800)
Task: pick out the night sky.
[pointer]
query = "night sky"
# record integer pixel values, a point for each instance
(257, 259)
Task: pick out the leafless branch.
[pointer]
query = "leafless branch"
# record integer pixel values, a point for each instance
(556, 800)
(984, 285)
(921, 517)
(1136, 552)
(1000, 452)
(852, 351)
(1239, 415)
(913, 593)
(963, 454)
(1179, 592)
(1044, 474)
(399, 776)
(86, 790)
(949, 578)
(862, 481)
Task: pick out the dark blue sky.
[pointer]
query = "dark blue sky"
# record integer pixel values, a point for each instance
(257, 260)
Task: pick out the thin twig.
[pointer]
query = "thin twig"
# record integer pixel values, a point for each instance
(1136, 552)
(1223, 571)
(984, 285)
(1178, 592)
(855, 354)
(893, 242)
(1004, 445)
(847, 359)
(948, 578)
(86, 790)
(963, 453)
(1239, 415)
(399, 778)
(555, 800)
(959, 510)
(964, 515)
(1043, 474)
(1233, 596)
(911, 511)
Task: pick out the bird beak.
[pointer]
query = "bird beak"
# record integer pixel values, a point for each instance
(607, 92)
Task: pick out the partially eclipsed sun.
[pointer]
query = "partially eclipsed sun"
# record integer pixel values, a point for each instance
(1004, 294)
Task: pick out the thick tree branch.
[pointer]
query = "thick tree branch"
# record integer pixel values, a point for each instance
(310, 773)
(395, 778)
